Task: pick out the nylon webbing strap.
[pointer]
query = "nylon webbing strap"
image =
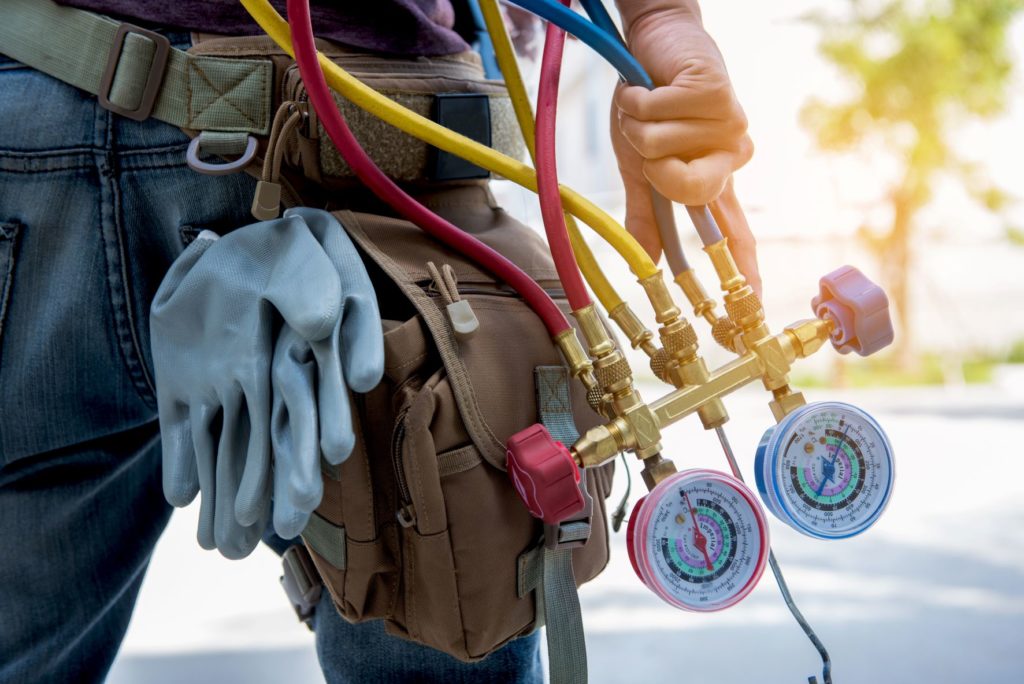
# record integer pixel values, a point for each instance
(327, 539)
(74, 46)
(553, 403)
(567, 648)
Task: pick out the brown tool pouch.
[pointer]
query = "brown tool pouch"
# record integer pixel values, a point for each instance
(421, 526)
(434, 534)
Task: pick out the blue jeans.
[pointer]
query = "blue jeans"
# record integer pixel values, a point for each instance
(93, 209)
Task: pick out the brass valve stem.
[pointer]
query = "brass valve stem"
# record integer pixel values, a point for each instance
(632, 327)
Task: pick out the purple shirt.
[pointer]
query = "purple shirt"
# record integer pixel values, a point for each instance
(400, 27)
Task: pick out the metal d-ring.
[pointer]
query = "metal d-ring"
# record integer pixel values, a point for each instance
(197, 164)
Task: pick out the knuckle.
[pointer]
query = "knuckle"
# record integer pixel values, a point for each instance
(746, 150)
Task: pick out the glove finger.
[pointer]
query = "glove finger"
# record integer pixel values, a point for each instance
(202, 417)
(254, 485)
(233, 539)
(178, 270)
(298, 486)
(305, 286)
(180, 477)
(336, 434)
(362, 341)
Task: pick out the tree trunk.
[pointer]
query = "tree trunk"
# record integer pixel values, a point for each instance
(896, 261)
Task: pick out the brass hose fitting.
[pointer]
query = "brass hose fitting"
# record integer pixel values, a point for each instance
(633, 328)
(579, 363)
(723, 330)
(702, 304)
(614, 377)
(725, 333)
(680, 363)
(656, 469)
(742, 305)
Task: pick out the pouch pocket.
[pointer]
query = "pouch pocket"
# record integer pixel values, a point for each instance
(460, 508)
(463, 528)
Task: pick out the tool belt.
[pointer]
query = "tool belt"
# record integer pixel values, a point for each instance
(421, 526)
(225, 92)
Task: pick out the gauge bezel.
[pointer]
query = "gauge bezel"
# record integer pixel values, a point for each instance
(643, 514)
(766, 463)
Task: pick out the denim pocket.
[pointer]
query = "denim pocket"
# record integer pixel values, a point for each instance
(9, 231)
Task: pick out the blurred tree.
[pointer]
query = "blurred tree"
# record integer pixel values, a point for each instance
(920, 69)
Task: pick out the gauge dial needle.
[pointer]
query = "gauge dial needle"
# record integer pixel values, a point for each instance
(699, 540)
(828, 468)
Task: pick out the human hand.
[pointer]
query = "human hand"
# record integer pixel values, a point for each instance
(687, 136)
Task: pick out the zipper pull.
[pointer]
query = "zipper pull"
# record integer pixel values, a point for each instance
(406, 516)
(266, 204)
(460, 314)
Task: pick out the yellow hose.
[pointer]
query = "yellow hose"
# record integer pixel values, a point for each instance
(420, 127)
(509, 66)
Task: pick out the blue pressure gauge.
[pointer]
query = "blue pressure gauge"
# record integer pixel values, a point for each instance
(826, 470)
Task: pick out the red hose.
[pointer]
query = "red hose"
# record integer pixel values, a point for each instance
(547, 169)
(316, 86)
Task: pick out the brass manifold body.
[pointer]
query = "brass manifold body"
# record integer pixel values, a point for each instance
(636, 426)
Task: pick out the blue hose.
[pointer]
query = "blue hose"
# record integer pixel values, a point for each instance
(602, 35)
(607, 45)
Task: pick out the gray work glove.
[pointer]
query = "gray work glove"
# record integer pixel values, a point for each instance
(213, 322)
(311, 411)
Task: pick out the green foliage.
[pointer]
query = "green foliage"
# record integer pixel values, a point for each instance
(1016, 354)
(1015, 234)
(889, 371)
(918, 69)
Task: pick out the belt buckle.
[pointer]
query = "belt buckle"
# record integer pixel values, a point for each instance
(301, 583)
(575, 532)
(154, 79)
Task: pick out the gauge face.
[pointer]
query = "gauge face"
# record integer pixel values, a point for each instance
(699, 540)
(826, 470)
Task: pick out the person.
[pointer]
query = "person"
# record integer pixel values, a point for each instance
(94, 208)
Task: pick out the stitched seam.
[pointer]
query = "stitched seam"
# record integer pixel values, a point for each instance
(82, 150)
(417, 477)
(413, 361)
(222, 95)
(10, 231)
(139, 359)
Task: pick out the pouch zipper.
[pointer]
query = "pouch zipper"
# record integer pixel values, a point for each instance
(500, 291)
(406, 513)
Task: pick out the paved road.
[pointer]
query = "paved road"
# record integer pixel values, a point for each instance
(934, 593)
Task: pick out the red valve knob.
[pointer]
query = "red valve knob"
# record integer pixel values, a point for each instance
(859, 309)
(545, 475)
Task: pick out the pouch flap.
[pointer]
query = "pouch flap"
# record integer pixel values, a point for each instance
(491, 375)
